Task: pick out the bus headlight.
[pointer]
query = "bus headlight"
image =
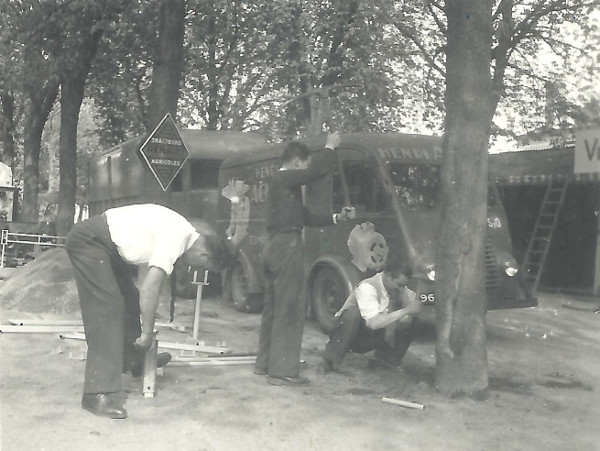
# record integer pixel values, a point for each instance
(431, 272)
(510, 267)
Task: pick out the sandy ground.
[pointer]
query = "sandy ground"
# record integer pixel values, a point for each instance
(544, 374)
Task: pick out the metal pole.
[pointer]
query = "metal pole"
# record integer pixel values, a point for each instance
(150, 357)
(198, 301)
(4, 238)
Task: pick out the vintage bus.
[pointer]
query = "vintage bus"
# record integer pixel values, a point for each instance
(393, 181)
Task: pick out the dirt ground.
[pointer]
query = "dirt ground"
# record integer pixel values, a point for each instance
(544, 373)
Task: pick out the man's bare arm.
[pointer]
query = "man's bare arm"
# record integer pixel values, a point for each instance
(149, 299)
(382, 320)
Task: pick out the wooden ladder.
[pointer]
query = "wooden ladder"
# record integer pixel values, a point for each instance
(545, 224)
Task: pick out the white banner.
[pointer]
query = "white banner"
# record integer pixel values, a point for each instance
(587, 151)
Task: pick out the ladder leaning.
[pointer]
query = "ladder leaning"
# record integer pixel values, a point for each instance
(545, 224)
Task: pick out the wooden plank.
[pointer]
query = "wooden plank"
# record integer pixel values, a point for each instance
(249, 358)
(211, 362)
(72, 336)
(38, 329)
(166, 345)
(195, 347)
(173, 326)
(44, 322)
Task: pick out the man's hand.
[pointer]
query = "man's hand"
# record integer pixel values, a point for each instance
(333, 140)
(144, 341)
(413, 307)
(346, 213)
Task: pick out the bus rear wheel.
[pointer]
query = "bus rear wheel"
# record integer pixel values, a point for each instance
(328, 296)
(243, 301)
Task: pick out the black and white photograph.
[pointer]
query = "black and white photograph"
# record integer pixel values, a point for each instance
(299, 225)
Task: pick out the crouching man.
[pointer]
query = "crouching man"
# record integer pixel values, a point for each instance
(378, 315)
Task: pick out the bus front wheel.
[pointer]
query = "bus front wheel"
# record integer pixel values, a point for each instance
(328, 296)
(243, 301)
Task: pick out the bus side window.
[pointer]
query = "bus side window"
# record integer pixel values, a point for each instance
(365, 190)
(204, 174)
(417, 185)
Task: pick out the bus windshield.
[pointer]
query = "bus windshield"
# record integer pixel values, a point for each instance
(417, 185)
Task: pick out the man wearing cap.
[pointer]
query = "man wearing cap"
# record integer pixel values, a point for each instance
(104, 251)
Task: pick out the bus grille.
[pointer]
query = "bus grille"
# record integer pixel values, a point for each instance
(492, 274)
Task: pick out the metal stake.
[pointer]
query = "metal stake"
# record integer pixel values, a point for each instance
(200, 285)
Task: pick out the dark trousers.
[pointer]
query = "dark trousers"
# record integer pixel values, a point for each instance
(350, 333)
(284, 312)
(109, 301)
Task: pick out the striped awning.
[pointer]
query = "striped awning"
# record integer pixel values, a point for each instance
(542, 179)
(538, 166)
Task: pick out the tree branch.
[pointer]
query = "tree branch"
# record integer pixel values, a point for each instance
(424, 52)
(429, 5)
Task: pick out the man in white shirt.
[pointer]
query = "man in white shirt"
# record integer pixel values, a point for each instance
(104, 251)
(378, 315)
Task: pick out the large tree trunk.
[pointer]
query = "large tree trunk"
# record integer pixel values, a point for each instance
(72, 92)
(169, 62)
(70, 104)
(7, 129)
(37, 110)
(461, 358)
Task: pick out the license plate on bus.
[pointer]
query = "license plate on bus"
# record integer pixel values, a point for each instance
(427, 298)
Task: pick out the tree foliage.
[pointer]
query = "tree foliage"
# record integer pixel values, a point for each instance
(535, 58)
(246, 59)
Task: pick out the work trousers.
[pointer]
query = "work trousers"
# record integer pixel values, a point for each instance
(109, 301)
(350, 333)
(284, 311)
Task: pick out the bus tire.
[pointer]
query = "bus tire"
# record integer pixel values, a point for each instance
(328, 296)
(243, 301)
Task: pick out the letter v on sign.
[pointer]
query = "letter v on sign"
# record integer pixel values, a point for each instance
(587, 151)
(591, 150)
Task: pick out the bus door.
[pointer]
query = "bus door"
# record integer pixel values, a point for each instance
(366, 195)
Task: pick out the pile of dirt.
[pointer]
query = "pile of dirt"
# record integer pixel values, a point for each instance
(44, 285)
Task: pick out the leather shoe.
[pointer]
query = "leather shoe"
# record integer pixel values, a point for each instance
(296, 380)
(100, 404)
(137, 368)
(260, 371)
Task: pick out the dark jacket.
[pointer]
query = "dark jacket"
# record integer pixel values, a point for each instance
(285, 210)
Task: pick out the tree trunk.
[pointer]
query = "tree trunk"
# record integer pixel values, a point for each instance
(73, 81)
(461, 357)
(37, 109)
(70, 103)
(169, 62)
(7, 121)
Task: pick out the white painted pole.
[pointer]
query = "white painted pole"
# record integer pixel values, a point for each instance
(149, 383)
(200, 285)
(4, 238)
(212, 363)
(398, 402)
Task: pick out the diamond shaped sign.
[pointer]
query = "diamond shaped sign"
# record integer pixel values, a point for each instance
(164, 151)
